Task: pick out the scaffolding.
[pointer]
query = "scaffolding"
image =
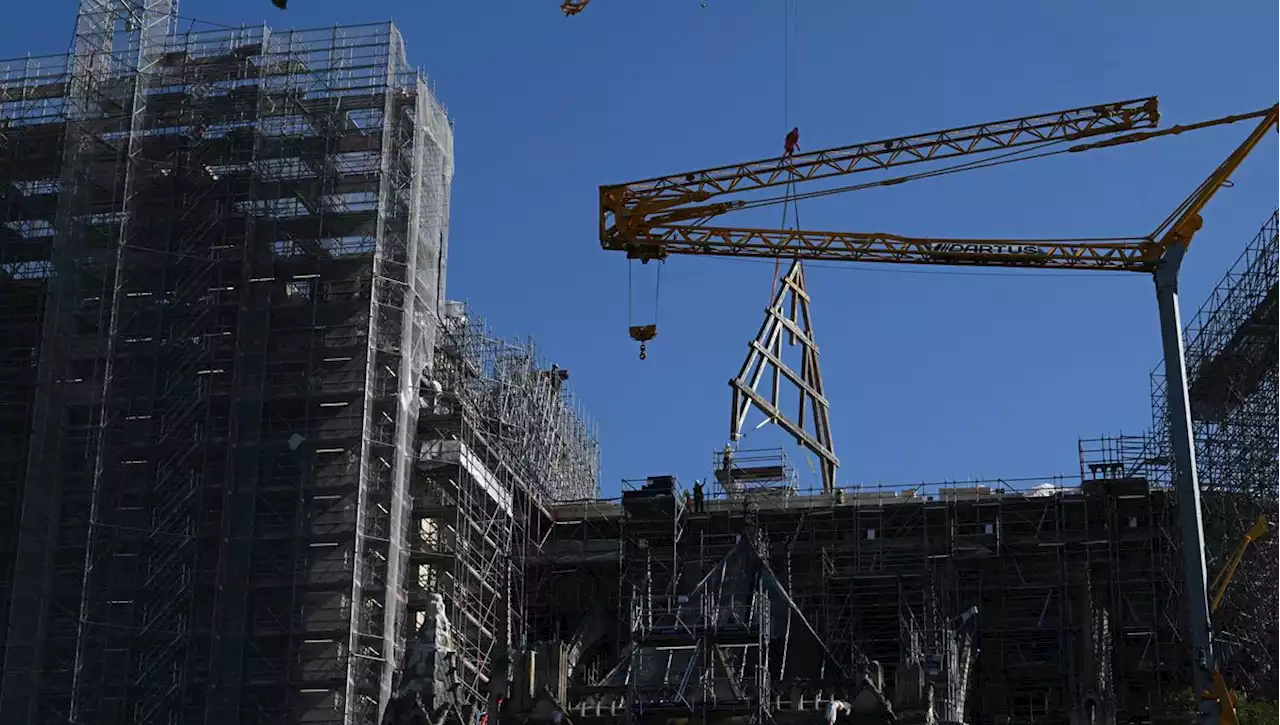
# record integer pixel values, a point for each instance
(237, 239)
(500, 439)
(1231, 353)
(935, 659)
(753, 473)
(711, 631)
(1062, 585)
(549, 438)
(705, 653)
(1124, 456)
(575, 583)
(32, 103)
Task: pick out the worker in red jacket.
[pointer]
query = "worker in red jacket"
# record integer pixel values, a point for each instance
(792, 144)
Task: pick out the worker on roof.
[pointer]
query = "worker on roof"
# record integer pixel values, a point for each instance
(792, 143)
(697, 496)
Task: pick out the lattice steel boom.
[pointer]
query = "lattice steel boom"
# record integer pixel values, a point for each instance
(626, 210)
(1119, 254)
(657, 217)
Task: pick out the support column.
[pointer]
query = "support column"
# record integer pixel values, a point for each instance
(1186, 484)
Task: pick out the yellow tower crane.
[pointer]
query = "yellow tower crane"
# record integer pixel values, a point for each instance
(655, 218)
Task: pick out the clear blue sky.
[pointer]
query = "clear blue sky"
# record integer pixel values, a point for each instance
(931, 376)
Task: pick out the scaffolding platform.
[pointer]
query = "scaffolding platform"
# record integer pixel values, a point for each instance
(755, 472)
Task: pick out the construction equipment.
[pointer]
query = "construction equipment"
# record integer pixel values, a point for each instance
(1228, 570)
(653, 218)
(657, 217)
(1218, 691)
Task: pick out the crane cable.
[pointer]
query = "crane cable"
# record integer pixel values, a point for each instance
(643, 333)
(789, 192)
(788, 13)
(788, 28)
(1007, 157)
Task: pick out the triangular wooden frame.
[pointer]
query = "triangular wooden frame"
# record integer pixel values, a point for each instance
(789, 315)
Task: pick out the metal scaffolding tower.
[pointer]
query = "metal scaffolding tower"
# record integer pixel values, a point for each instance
(234, 240)
(499, 439)
(32, 136)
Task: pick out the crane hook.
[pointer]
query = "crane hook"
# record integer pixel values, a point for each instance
(643, 334)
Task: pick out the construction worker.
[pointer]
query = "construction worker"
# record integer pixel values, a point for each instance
(688, 501)
(697, 497)
(792, 142)
(834, 708)
(429, 392)
(727, 458)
